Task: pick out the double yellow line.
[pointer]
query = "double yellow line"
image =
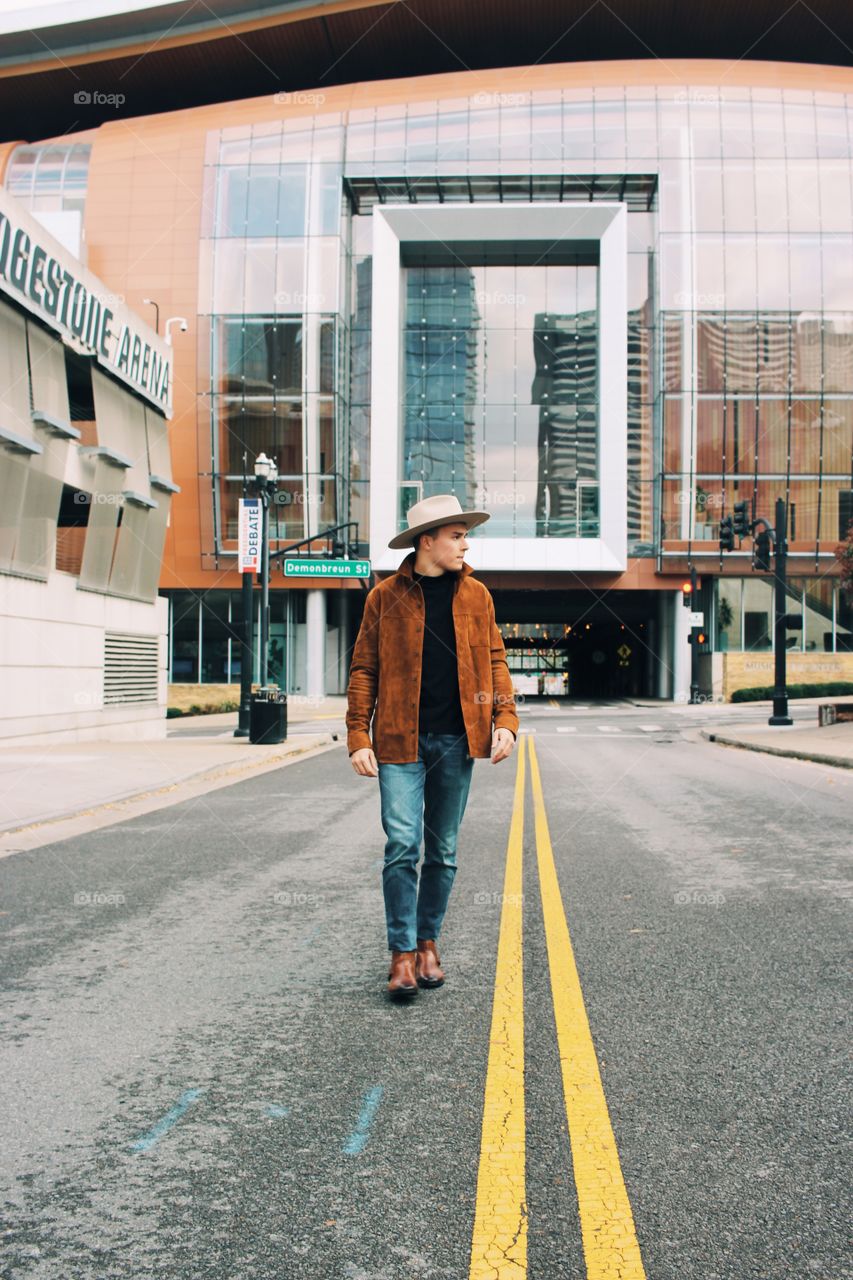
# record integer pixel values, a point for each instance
(499, 1243)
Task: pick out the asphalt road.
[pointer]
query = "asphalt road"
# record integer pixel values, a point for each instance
(202, 1076)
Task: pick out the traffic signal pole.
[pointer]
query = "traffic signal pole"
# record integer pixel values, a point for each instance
(780, 620)
(740, 525)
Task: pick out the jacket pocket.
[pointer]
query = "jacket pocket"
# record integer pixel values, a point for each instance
(477, 625)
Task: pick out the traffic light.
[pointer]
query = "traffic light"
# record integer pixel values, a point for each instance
(761, 551)
(698, 635)
(741, 520)
(727, 534)
(689, 589)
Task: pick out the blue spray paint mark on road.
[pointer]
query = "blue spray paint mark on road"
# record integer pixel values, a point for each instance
(171, 1118)
(355, 1142)
(273, 1109)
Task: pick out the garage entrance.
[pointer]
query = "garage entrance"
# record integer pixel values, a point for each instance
(580, 644)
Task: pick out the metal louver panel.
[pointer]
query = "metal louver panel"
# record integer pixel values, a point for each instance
(130, 668)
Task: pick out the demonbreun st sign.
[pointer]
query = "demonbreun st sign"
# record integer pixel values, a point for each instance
(41, 275)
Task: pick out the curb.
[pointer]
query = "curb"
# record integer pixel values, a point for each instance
(840, 762)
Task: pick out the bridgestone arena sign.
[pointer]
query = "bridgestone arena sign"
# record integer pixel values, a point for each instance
(42, 276)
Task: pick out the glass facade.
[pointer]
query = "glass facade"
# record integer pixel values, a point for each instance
(50, 176)
(742, 610)
(740, 310)
(273, 325)
(205, 639)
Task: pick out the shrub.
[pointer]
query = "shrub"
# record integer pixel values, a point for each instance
(764, 692)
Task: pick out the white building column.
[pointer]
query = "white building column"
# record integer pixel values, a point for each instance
(680, 631)
(315, 642)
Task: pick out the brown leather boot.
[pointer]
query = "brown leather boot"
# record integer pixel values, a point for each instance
(402, 974)
(427, 969)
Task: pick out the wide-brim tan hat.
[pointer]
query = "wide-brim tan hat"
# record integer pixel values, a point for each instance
(441, 508)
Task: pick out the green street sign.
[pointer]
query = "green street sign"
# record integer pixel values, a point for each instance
(314, 567)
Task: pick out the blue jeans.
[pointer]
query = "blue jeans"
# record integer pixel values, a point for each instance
(424, 799)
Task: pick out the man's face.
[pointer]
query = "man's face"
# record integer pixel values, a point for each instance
(447, 549)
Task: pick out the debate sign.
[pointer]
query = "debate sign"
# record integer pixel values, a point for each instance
(249, 536)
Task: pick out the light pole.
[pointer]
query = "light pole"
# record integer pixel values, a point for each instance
(266, 475)
(149, 302)
(247, 640)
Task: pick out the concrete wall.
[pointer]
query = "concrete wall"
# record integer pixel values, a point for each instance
(52, 663)
(745, 670)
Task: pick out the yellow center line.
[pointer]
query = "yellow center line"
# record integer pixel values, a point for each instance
(499, 1240)
(609, 1238)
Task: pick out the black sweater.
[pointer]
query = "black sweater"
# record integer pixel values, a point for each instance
(440, 710)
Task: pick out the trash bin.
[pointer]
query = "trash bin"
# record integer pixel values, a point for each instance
(268, 715)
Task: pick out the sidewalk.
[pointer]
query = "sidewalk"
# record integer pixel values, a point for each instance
(51, 792)
(831, 745)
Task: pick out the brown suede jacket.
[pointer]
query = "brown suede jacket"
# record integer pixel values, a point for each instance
(385, 673)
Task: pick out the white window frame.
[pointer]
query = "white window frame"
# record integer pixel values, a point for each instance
(563, 224)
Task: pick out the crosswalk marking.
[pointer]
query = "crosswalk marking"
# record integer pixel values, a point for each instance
(609, 1238)
(566, 728)
(499, 1239)
(608, 728)
(649, 728)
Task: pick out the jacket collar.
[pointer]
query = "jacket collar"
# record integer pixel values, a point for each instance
(409, 563)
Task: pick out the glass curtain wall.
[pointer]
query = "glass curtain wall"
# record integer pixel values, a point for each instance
(756, 255)
(272, 323)
(740, 288)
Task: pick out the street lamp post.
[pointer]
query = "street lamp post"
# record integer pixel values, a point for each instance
(247, 640)
(266, 475)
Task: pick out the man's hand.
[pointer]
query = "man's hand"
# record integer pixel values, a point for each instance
(364, 762)
(503, 742)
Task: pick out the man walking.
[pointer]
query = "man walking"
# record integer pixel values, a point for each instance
(429, 660)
